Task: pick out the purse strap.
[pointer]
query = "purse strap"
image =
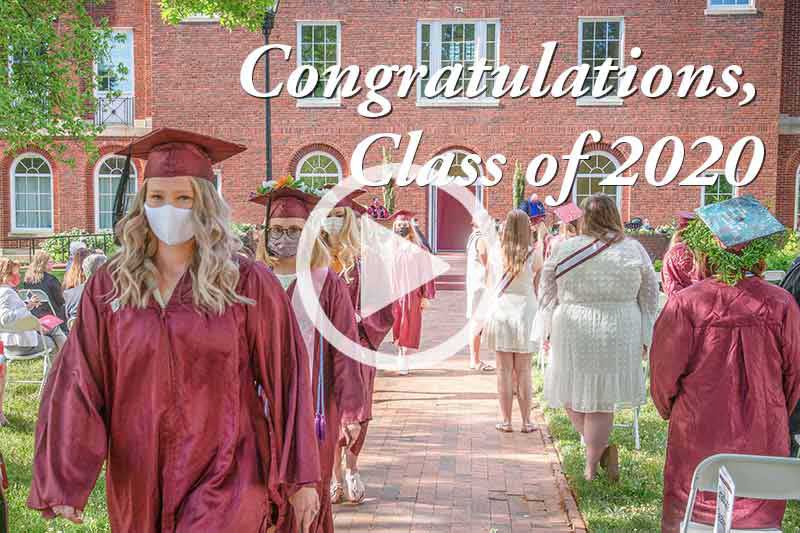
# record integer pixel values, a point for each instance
(506, 280)
(581, 256)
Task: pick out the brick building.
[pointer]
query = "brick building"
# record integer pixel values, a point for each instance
(187, 76)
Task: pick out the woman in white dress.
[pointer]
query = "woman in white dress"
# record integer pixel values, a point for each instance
(600, 300)
(508, 330)
(476, 277)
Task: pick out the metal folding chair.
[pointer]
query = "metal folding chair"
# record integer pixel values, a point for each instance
(26, 294)
(755, 476)
(28, 323)
(637, 441)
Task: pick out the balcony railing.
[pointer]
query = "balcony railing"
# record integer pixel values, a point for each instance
(115, 111)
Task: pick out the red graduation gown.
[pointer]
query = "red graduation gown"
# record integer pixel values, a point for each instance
(344, 388)
(371, 332)
(677, 271)
(407, 310)
(725, 366)
(167, 399)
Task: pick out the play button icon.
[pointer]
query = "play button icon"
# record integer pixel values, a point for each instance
(392, 266)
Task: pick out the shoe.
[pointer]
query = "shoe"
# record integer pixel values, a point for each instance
(355, 487)
(337, 492)
(610, 462)
(402, 366)
(484, 367)
(504, 427)
(529, 428)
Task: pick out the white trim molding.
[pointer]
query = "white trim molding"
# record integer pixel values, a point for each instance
(738, 9)
(319, 102)
(13, 200)
(96, 185)
(612, 100)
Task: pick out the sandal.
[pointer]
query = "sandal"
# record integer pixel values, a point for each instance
(529, 428)
(337, 492)
(355, 487)
(484, 367)
(610, 462)
(504, 427)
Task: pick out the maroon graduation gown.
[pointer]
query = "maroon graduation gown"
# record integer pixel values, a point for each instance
(166, 398)
(371, 332)
(344, 388)
(725, 367)
(677, 270)
(407, 310)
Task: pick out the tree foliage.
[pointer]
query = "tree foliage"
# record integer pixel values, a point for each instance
(48, 49)
(518, 191)
(247, 14)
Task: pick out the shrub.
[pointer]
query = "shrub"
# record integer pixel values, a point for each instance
(58, 245)
(658, 264)
(782, 258)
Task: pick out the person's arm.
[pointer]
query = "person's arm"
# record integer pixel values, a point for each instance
(56, 294)
(790, 350)
(348, 389)
(670, 352)
(12, 308)
(280, 365)
(71, 432)
(647, 297)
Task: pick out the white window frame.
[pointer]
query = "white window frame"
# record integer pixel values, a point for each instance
(12, 188)
(749, 9)
(309, 155)
(199, 18)
(336, 100)
(131, 72)
(435, 61)
(721, 175)
(218, 177)
(134, 177)
(580, 175)
(611, 100)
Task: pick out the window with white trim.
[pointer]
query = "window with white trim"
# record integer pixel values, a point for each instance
(600, 39)
(720, 191)
(731, 5)
(446, 43)
(115, 70)
(31, 194)
(218, 180)
(106, 180)
(591, 172)
(318, 169)
(318, 44)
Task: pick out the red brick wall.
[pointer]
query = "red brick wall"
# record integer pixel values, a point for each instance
(196, 83)
(787, 176)
(790, 103)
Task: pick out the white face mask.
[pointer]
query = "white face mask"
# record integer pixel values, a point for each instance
(172, 225)
(333, 225)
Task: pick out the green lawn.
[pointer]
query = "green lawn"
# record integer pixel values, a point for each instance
(633, 504)
(16, 442)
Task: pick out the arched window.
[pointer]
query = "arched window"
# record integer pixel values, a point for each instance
(106, 180)
(591, 172)
(319, 168)
(31, 194)
(457, 172)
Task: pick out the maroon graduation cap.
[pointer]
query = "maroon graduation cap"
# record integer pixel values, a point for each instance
(287, 202)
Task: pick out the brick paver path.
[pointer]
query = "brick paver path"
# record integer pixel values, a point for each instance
(434, 462)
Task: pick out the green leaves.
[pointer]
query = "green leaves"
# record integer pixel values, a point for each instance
(47, 53)
(247, 14)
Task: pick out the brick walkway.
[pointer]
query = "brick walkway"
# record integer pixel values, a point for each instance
(434, 462)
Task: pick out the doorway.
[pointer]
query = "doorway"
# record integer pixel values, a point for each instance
(449, 222)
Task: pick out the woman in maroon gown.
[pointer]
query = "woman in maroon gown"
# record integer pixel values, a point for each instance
(158, 378)
(407, 311)
(725, 367)
(337, 383)
(344, 241)
(677, 270)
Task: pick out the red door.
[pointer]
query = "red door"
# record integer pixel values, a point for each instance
(453, 222)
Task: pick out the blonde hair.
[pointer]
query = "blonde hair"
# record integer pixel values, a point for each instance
(320, 255)
(412, 235)
(348, 243)
(515, 241)
(601, 218)
(75, 275)
(7, 267)
(35, 272)
(214, 272)
(567, 229)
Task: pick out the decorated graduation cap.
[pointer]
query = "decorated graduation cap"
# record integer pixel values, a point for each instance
(286, 202)
(401, 214)
(569, 212)
(735, 235)
(172, 153)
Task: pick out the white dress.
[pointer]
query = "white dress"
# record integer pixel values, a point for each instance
(598, 316)
(476, 275)
(510, 322)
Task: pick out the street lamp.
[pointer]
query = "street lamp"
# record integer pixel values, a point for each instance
(266, 29)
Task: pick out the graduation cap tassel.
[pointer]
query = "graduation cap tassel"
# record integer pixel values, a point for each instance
(120, 197)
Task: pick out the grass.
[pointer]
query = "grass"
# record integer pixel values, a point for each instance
(633, 504)
(16, 442)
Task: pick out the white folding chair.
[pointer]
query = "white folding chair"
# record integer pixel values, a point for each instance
(637, 441)
(26, 294)
(774, 276)
(26, 324)
(754, 476)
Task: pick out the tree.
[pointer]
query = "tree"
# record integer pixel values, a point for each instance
(388, 189)
(519, 185)
(48, 49)
(247, 14)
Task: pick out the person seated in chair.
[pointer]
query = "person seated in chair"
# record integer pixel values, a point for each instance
(73, 296)
(12, 309)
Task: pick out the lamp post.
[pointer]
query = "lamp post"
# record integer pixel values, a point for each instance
(266, 29)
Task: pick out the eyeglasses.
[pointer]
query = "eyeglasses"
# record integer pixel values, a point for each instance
(291, 233)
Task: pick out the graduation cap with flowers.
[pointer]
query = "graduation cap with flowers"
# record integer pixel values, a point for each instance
(735, 235)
